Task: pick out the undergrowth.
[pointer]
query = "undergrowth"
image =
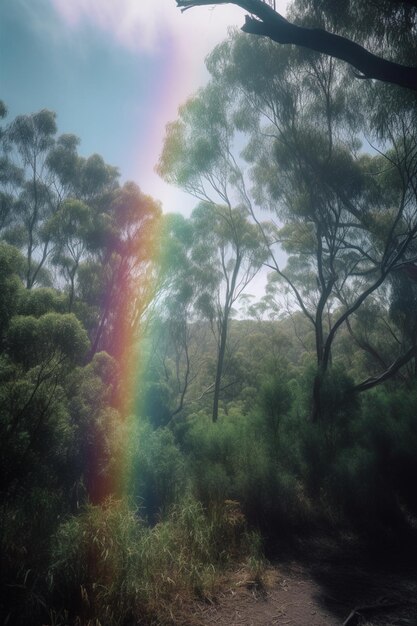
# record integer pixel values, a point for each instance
(110, 569)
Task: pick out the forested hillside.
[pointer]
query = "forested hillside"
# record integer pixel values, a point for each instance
(161, 425)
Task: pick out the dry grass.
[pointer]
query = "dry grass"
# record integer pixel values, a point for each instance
(110, 569)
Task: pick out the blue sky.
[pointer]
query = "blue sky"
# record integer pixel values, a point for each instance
(94, 87)
(114, 71)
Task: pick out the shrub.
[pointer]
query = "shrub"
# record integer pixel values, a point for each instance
(378, 470)
(158, 476)
(97, 566)
(238, 458)
(109, 568)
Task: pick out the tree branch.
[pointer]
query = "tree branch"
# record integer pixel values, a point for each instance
(389, 372)
(269, 23)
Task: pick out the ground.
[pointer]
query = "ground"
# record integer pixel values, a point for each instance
(324, 587)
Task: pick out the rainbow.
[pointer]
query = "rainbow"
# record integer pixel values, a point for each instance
(110, 467)
(172, 45)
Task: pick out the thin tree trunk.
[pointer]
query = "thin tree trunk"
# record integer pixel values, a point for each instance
(219, 368)
(223, 334)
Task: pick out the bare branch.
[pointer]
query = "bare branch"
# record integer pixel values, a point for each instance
(269, 23)
(389, 372)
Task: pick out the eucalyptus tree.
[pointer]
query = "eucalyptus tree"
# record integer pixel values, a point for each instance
(209, 259)
(71, 216)
(228, 252)
(385, 28)
(30, 137)
(77, 228)
(173, 334)
(38, 173)
(349, 218)
(200, 155)
(117, 280)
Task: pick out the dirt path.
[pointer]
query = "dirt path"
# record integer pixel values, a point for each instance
(289, 597)
(321, 592)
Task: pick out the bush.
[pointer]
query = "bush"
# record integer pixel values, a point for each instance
(238, 458)
(377, 472)
(158, 477)
(97, 564)
(109, 568)
(359, 460)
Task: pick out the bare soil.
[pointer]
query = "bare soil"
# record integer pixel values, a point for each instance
(324, 586)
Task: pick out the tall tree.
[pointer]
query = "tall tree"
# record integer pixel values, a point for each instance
(175, 357)
(121, 268)
(229, 252)
(40, 176)
(350, 219)
(200, 156)
(32, 136)
(345, 211)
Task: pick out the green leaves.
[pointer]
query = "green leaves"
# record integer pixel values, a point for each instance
(198, 148)
(11, 286)
(34, 340)
(33, 134)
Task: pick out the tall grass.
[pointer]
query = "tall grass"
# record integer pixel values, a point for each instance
(110, 569)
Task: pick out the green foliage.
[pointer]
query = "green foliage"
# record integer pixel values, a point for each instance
(36, 430)
(357, 462)
(33, 134)
(377, 470)
(159, 474)
(34, 340)
(276, 128)
(10, 284)
(241, 459)
(275, 402)
(156, 403)
(108, 566)
(37, 302)
(322, 442)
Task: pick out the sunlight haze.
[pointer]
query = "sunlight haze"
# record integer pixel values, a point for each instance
(115, 73)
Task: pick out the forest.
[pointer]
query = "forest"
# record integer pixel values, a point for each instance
(185, 397)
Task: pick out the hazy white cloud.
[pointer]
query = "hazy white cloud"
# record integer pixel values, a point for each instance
(149, 27)
(144, 24)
